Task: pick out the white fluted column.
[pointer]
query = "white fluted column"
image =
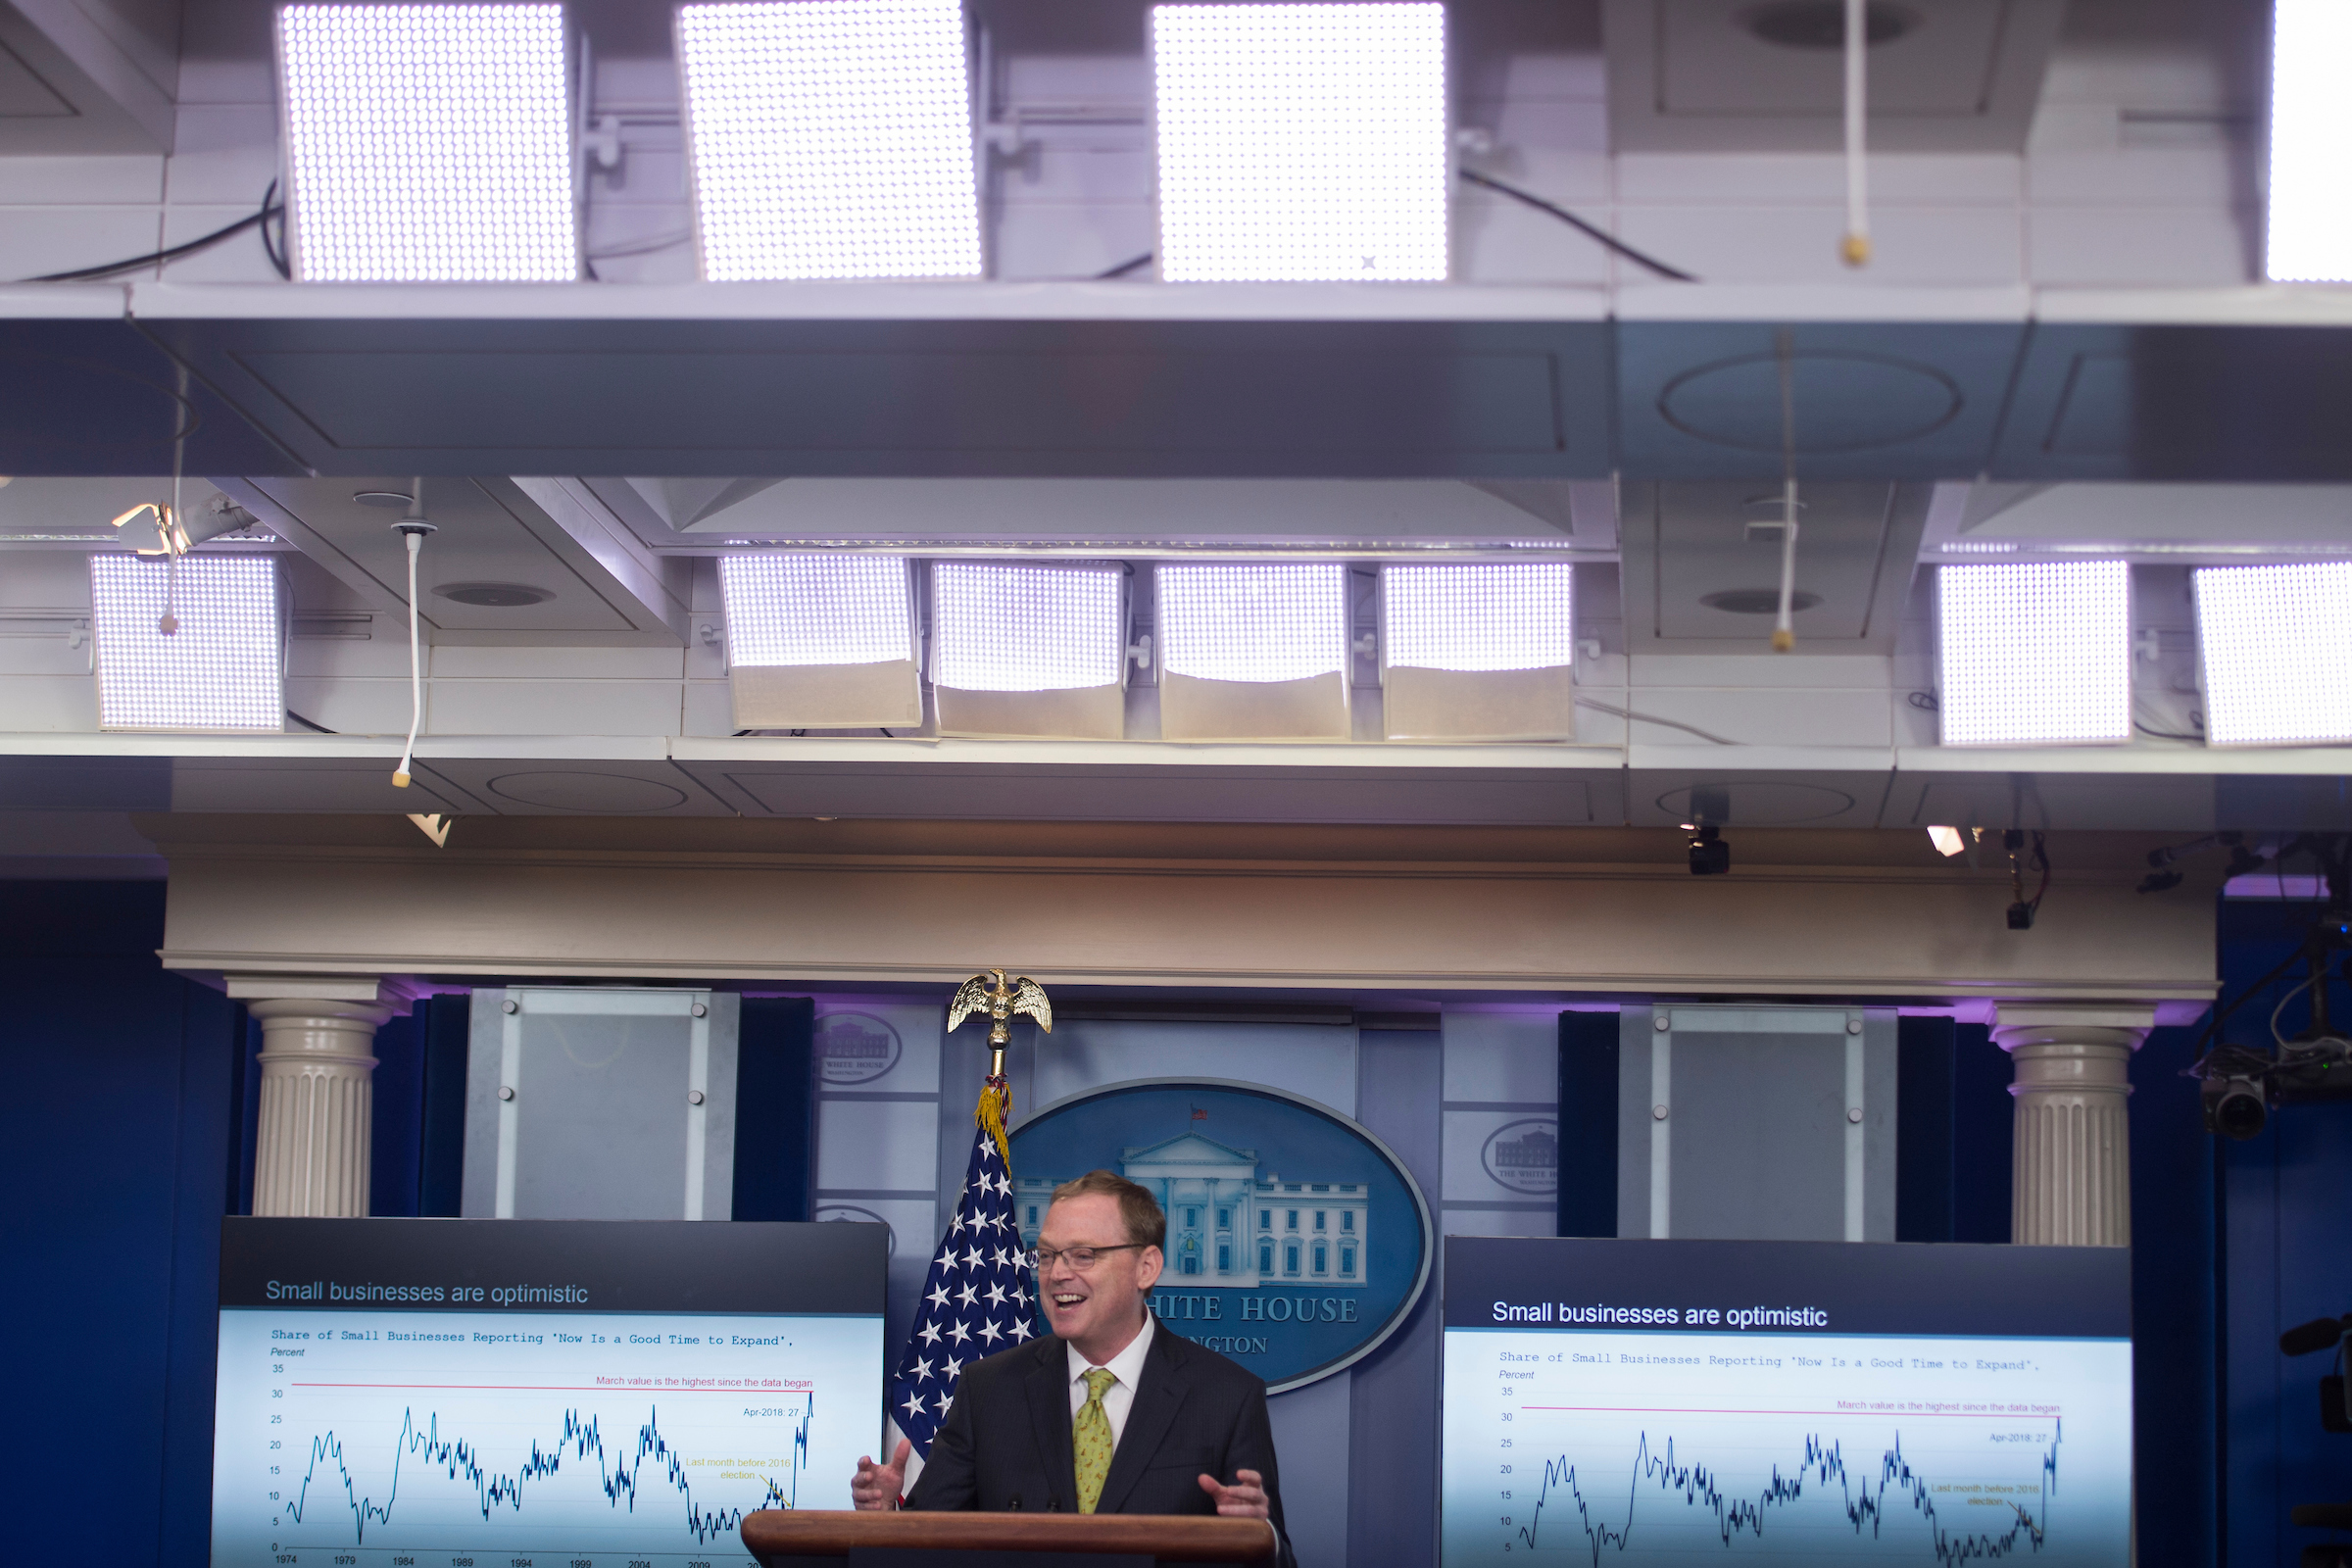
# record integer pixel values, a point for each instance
(312, 1136)
(2071, 1180)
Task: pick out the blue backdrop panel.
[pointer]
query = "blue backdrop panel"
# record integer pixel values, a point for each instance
(775, 1108)
(1983, 1134)
(444, 1023)
(395, 1147)
(1923, 1130)
(2281, 1260)
(1589, 1123)
(116, 1144)
(1393, 1398)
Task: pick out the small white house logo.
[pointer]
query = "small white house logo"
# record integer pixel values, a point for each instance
(1525, 1156)
(855, 1047)
(853, 1215)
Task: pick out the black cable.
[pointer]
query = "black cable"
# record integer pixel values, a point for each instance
(2164, 734)
(1925, 702)
(170, 254)
(1123, 269)
(279, 257)
(310, 725)
(1602, 235)
(2208, 1042)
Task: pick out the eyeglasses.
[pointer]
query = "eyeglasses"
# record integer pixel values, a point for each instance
(1080, 1259)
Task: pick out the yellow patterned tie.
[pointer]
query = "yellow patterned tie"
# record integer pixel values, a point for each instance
(1090, 1438)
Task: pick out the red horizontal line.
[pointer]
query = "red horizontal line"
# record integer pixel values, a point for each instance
(1649, 1410)
(563, 1388)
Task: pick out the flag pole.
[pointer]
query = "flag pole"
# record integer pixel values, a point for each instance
(978, 1294)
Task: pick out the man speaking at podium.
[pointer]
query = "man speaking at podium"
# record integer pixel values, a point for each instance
(1112, 1414)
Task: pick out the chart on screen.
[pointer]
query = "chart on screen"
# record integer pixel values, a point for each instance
(406, 1439)
(1605, 1445)
(1673, 1402)
(520, 1394)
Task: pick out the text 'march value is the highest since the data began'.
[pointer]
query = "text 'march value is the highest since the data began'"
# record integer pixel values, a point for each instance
(583, 1393)
(1676, 1403)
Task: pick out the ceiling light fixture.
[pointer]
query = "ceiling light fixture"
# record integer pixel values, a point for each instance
(821, 641)
(1254, 650)
(1477, 652)
(2275, 643)
(1301, 142)
(1016, 629)
(2310, 231)
(1029, 650)
(428, 143)
(188, 644)
(830, 138)
(2035, 654)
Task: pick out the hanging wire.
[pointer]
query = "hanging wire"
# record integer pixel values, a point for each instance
(1783, 629)
(1857, 246)
(412, 529)
(1592, 231)
(271, 208)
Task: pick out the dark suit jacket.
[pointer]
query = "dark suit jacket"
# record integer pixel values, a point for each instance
(1006, 1444)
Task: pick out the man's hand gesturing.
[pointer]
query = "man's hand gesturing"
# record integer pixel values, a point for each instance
(877, 1486)
(1246, 1498)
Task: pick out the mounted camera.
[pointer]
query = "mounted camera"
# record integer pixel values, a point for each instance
(1709, 855)
(2241, 1084)
(2235, 1107)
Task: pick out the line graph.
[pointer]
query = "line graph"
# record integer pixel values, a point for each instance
(618, 1479)
(367, 1440)
(1823, 1464)
(1594, 1447)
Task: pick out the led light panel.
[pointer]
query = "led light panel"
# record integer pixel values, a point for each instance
(1253, 622)
(1026, 628)
(831, 138)
(428, 143)
(1479, 617)
(221, 668)
(1301, 142)
(2310, 129)
(2034, 652)
(2276, 644)
(797, 609)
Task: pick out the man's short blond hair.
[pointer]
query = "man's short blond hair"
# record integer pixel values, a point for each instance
(1139, 1211)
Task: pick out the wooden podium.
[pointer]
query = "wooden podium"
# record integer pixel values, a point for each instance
(812, 1539)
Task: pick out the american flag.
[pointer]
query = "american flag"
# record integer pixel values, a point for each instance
(977, 1299)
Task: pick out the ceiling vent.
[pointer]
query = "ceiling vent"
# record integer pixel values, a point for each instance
(1738, 75)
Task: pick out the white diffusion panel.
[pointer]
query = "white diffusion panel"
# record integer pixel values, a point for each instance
(428, 143)
(1301, 142)
(831, 138)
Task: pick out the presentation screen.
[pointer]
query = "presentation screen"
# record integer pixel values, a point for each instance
(1684, 1402)
(555, 1394)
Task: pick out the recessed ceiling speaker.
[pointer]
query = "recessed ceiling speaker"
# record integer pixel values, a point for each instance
(494, 595)
(1820, 23)
(1757, 601)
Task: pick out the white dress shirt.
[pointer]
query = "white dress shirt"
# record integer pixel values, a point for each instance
(1127, 1366)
